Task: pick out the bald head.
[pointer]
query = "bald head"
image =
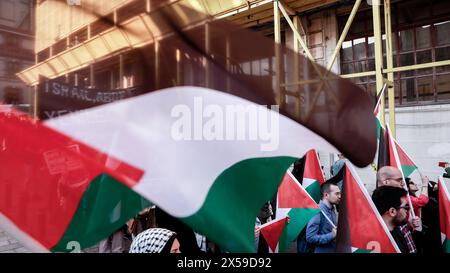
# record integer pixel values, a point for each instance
(389, 176)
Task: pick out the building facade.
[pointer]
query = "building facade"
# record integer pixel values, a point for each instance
(16, 50)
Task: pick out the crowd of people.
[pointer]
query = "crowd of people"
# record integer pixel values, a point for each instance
(154, 231)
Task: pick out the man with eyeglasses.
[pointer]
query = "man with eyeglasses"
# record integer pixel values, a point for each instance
(391, 176)
(392, 204)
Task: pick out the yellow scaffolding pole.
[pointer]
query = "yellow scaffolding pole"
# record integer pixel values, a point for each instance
(277, 30)
(378, 52)
(389, 64)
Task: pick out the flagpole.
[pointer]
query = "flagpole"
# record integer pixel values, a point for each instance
(326, 217)
(380, 96)
(405, 187)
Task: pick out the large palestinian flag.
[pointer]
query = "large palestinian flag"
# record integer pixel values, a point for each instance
(444, 214)
(198, 144)
(390, 153)
(308, 170)
(385, 151)
(295, 202)
(360, 227)
(274, 233)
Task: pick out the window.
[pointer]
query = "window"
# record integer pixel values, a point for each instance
(421, 34)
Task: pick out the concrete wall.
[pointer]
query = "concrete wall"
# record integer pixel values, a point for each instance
(424, 132)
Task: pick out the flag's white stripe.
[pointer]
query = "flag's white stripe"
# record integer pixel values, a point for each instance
(399, 167)
(444, 187)
(28, 241)
(372, 205)
(178, 174)
(307, 182)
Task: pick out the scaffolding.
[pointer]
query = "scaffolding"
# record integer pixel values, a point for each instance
(246, 13)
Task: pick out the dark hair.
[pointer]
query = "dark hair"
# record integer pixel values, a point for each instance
(408, 181)
(387, 197)
(169, 243)
(326, 188)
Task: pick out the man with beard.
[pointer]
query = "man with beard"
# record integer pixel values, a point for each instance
(392, 204)
(412, 231)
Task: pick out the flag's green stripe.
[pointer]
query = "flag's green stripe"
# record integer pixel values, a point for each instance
(283, 242)
(360, 250)
(314, 190)
(106, 205)
(228, 215)
(299, 218)
(408, 170)
(378, 129)
(446, 245)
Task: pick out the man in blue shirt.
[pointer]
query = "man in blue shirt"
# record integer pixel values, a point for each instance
(319, 231)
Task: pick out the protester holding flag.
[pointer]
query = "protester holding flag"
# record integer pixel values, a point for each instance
(391, 176)
(393, 206)
(422, 200)
(321, 230)
(361, 228)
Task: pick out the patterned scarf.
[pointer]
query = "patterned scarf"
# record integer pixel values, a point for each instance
(152, 240)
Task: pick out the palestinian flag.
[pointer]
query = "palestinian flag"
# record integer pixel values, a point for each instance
(390, 156)
(295, 202)
(308, 170)
(201, 143)
(274, 232)
(444, 214)
(360, 227)
(377, 112)
(408, 166)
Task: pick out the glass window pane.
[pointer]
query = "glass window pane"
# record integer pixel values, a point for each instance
(371, 47)
(423, 37)
(408, 91)
(371, 87)
(443, 33)
(442, 53)
(406, 39)
(357, 27)
(443, 87)
(347, 68)
(371, 65)
(359, 46)
(424, 57)
(361, 66)
(425, 88)
(347, 54)
(407, 59)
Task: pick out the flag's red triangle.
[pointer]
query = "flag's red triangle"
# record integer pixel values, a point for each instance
(444, 208)
(292, 195)
(405, 160)
(312, 167)
(272, 232)
(365, 226)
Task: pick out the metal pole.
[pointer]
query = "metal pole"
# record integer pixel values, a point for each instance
(389, 64)
(91, 76)
(297, 25)
(277, 30)
(207, 49)
(343, 34)
(121, 72)
(228, 56)
(156, 64)
(378, 52)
